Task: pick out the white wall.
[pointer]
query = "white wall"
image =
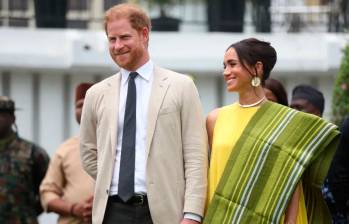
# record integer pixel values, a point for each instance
(44, 70)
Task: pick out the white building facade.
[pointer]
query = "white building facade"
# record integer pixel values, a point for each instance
(40, 68)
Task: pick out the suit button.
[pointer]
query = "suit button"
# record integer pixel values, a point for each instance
(107, 191)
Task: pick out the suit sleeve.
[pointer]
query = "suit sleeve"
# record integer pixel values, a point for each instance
(88, 138)
(194, 140)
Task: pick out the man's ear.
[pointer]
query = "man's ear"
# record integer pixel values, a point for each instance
(13, 118)
(145, 34)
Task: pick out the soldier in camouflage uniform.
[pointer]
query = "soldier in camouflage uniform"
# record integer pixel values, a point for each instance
(22, 167)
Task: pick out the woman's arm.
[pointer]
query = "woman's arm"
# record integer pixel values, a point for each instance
(210, 122)
(292, 208)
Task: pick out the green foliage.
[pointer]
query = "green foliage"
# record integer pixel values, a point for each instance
(340, 101)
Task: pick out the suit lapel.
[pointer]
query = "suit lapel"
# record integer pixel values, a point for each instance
(158, 92)
(111, 102)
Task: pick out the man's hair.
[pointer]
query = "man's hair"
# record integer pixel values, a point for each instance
(135, 15)
(312, 95)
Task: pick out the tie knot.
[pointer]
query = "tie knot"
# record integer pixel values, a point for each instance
(133, 75)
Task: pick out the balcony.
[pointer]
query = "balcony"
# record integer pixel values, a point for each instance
(277, 16)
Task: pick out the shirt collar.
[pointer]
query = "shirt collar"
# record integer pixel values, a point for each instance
(145, 72)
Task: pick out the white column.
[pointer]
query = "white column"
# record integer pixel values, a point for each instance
(326, 85)
(6, 12)
(21, 91)
(31, 12)
(51, 118)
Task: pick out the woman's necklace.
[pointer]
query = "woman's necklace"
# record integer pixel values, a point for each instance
(252, 104)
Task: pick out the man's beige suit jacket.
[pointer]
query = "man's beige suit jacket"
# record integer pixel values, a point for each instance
(176, 145)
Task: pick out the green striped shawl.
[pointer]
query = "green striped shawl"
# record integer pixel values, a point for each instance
(278, 147)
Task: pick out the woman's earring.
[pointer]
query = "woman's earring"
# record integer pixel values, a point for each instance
(256, 81)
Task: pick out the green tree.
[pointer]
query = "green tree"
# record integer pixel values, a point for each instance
(340, 101)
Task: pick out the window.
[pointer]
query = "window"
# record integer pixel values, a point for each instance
(18, 5)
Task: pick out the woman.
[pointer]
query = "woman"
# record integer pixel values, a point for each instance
(266, 158)
(275, 91)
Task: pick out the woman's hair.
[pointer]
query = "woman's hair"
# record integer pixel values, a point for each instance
(278, 90)
(252, 50)
(136, 16)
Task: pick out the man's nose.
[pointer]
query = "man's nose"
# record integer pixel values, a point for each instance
(117, 45)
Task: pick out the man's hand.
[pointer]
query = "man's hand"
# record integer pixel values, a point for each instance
(83, 210)
(189, 221)
(87, 214)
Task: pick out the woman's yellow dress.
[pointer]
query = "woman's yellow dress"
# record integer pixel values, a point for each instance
(230, 123)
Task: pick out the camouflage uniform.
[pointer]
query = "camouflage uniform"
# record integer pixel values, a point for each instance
(22, 167)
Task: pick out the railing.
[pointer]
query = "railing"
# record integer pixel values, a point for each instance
(88, 14)
(80, 14)
(300, 18)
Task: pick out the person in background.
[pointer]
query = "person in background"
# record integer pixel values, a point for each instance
(310, 100)
(143, 135)
(275, 91)
(338, 177)
(260, 170)
(23, 165)
(67, 189)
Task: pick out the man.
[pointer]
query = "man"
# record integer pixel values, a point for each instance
(67, 189)
(308, 99)
(143, 136)
(22, 167)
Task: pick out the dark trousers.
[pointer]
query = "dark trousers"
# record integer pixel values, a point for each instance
(121, 213)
